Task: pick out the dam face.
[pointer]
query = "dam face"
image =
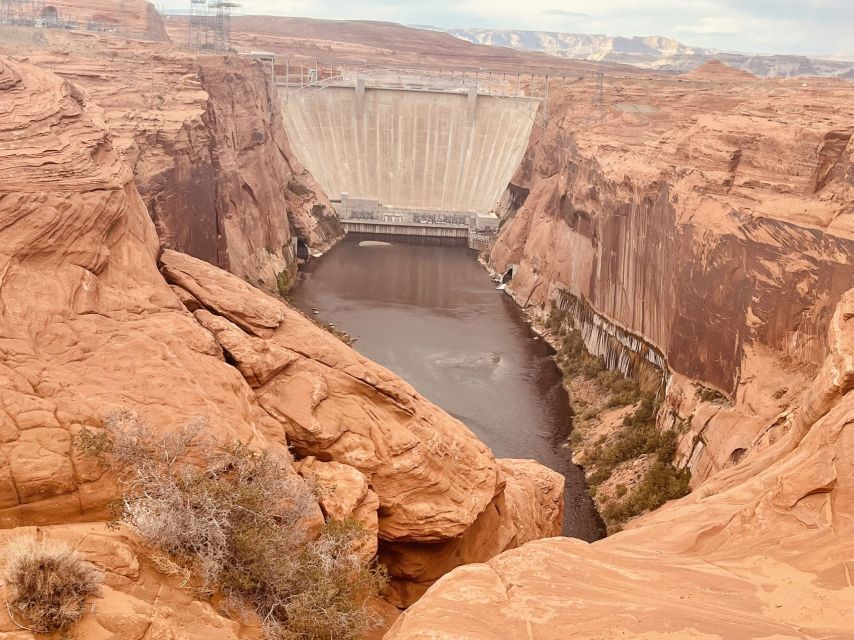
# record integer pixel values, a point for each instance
(412, 149)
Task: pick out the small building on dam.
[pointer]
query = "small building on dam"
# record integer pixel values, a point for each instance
(405, 161)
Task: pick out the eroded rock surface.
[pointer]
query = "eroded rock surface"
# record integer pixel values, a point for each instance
(344, 492)
(88, 323)
(529, 508)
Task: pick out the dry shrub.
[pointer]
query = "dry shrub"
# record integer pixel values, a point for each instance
(238, 519)
(333, 588)
(48, 583)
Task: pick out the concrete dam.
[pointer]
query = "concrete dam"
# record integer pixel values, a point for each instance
(435, 158)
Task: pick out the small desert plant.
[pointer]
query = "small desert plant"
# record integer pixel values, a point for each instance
(298, 189)
(48, 583)
(707, 394)
(238, 519)
(284, 281)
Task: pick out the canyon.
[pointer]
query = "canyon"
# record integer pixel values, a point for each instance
(694, 231)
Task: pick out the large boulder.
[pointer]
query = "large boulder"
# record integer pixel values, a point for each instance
(432, 475)
(530, 507)
(343, 493)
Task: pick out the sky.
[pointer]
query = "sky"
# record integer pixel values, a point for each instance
(817, 27)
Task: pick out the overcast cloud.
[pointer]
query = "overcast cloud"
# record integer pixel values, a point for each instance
(761, 26)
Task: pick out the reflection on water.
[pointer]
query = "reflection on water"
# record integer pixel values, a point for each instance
(432, 315)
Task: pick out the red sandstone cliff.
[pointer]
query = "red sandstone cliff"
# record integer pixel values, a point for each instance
(210, 157)
(711, 219)
(95, 316)
(718, 231)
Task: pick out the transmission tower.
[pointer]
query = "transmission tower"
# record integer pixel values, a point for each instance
(210, 25)
(21, 13)
(199, 23)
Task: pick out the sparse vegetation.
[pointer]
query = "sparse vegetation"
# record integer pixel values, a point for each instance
(298, 189)
(638, 438)
(707, 394)
(284, 281)
(48, 583)
(238, 520)
(661, 483)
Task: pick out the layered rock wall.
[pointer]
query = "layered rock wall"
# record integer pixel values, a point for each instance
(704, 225)
(693, 269)
(210, 157)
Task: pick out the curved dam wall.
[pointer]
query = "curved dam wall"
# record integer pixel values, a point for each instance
(407, 148)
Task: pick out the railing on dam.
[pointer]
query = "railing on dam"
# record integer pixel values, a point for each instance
(524, 91)
(450, 233)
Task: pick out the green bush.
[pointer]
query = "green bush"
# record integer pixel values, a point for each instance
(707, 394)
(238, 520)
(284, 281)
(663, 482)
(639, 436)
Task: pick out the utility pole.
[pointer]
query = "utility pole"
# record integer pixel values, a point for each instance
(598, 97)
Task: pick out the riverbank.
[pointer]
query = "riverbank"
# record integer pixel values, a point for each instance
(627, 461)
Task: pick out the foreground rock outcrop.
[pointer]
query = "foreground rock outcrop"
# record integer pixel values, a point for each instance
(137, 600)
(529, 508)
(88, 323)
(443, 500)
(433, 477)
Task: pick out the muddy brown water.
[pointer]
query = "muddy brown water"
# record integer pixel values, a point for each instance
(432, 315)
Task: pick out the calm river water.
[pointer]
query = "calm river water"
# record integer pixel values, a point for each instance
(432, 315)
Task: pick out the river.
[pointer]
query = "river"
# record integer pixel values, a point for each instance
(432, 315)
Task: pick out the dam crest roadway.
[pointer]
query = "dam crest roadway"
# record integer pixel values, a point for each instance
(403, 152)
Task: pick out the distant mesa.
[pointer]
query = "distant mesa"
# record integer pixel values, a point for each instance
(718, 70)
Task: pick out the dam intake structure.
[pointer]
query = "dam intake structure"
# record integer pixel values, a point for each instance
(407, 154)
